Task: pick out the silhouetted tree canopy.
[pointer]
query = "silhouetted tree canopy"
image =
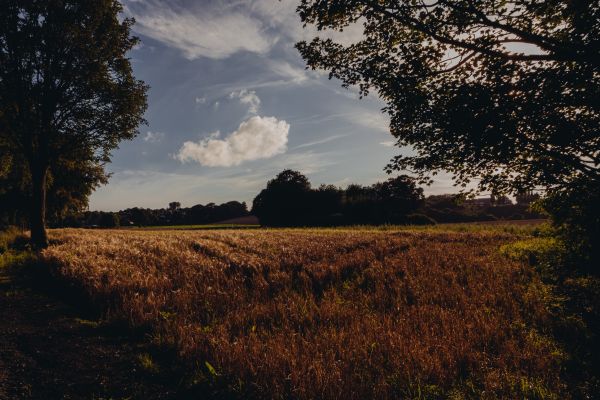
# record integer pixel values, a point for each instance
(69, 187)
(195, 215)
(67, 93)
(508, 91)
(288, 200)
(284, 201)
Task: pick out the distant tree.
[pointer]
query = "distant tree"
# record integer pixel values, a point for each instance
(141, 216)
(500, 200)
(288, 200)
(196, 214)
(445, 201)
(462, 91)
(361, 205)
(526, 197)
(67, 93)
(325, 204)
(398, 197)
(109, 220)
(174, 206)
(284, 201)
(231, 209)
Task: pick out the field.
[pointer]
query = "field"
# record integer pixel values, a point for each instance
(339, 313)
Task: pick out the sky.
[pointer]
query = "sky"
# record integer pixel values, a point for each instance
(231, 105)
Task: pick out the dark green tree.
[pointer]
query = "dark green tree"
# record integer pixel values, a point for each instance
(70, 185)
(398, 197)
(13, 190)
(504, 91)
(174, 206)
(285, 200)
(67, 92)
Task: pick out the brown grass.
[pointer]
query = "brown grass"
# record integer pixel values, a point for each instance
(328, 314)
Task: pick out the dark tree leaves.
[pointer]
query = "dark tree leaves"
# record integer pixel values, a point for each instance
(67, 92)
(504, 91)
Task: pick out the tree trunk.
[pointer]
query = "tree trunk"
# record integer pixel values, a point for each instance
(37, 216)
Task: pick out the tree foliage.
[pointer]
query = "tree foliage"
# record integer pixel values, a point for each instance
(284, 201)
(67, 92)
(288, 200)
(196, 215)
(69, 186)
(505, 91)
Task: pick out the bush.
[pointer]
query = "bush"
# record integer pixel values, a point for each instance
(420, 219)
(575, 214)
(545, 253)
(8, 237)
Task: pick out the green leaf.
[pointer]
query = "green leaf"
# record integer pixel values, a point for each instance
(211, 369)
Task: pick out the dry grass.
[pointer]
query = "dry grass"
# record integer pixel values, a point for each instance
(328, 314)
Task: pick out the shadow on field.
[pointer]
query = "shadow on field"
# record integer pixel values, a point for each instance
(53, 346)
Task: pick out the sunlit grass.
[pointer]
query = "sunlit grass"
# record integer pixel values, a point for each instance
(361, 312)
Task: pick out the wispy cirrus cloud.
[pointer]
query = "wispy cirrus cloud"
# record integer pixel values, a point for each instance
(282, 16)
(257, 138)
(219, 30)
(153, 137)
(373, 120)
(290, 73)
(320, 141)
(215, 33)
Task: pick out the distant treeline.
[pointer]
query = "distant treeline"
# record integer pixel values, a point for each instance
(173, 215)
(289, 200)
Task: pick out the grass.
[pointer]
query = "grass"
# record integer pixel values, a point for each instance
(194, 227)
(14, 249)
(387, 312)
(517, 227)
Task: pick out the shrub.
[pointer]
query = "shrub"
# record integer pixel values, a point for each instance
(575, 214)
(8, 238)
(419, 219)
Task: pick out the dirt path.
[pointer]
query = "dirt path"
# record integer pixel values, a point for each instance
(48, 351)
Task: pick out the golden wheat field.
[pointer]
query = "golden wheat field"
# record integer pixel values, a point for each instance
(327, 314)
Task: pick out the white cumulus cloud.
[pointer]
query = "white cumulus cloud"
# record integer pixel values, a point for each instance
(247, 97)
(257, 138)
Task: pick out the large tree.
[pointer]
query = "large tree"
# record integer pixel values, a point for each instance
(67, 92)
(506, 92)
(285, 200)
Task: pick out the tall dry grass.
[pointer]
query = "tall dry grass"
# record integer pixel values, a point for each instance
(328, 314)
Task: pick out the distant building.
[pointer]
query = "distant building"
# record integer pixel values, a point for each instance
(491, 201)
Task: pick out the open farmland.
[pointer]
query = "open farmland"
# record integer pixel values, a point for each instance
(327, 314)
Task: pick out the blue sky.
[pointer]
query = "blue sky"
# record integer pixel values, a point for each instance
(231, 105)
